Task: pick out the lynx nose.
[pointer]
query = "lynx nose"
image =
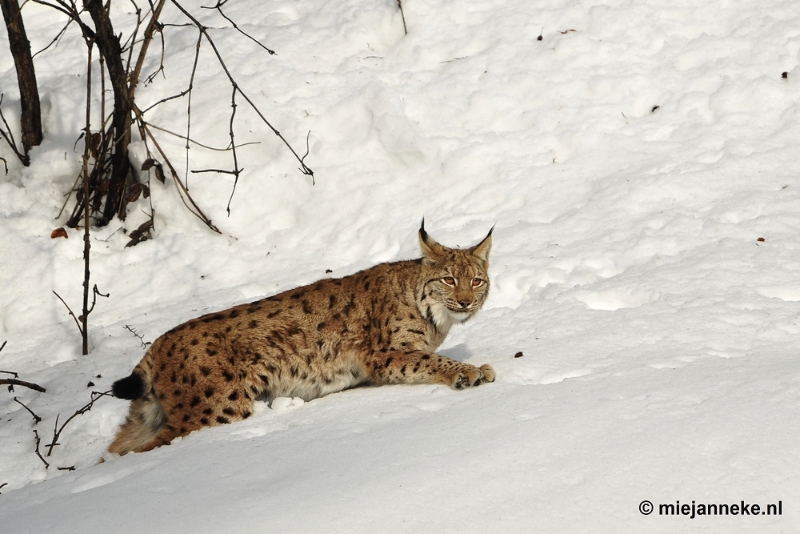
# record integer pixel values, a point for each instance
(464, 303)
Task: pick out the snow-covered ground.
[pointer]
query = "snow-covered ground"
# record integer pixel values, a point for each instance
(640, 164)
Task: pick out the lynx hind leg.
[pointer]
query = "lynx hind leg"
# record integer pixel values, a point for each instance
(145, 420)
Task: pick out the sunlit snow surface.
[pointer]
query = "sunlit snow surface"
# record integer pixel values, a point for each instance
(640, 165)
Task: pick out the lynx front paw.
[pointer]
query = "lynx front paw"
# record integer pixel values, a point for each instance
(472, 376)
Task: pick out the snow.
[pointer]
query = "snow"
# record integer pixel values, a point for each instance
(630, 167)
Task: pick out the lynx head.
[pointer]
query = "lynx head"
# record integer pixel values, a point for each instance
(454, 283)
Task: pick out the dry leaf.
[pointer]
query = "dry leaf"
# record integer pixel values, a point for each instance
(140, 234)
(59, 232)
(136, 190)
(94, 144)
(160, 173)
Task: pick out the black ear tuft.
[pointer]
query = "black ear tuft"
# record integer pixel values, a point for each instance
(130, 388)
(482, 249)
(422, 231)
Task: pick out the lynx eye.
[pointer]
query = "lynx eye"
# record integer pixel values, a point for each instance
(477, 282)
(449, 280)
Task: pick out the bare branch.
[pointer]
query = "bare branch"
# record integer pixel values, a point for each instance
(14, 382)
(8, 136)
(220, 171)
(182, 191)
(87, 245)
(203, 30)
(152, 27)
(59, 6)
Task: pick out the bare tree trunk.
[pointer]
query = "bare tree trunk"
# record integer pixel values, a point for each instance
(31, 116)
(109, 46)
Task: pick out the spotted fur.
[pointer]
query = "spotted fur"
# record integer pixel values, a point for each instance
(375, 327)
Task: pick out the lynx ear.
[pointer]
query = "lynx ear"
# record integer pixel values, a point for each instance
(430, 248)
(482, 249)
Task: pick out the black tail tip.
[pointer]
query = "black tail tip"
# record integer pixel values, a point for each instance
(129, 388)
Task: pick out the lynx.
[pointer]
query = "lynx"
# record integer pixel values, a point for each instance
(375, 327)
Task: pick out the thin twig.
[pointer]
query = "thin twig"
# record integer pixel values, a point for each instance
(57, 431)
(308, 135)
(403, 16)
(64, 8)
(95, 292)
(133, 331)
(236, 169)
(218, 7)
(70, 312)
(36, 418)
(198, 143)
(166, 99)
(38, 441)
(131, 41)
(189, 105)
(56, 38)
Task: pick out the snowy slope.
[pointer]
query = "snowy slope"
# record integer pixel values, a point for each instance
(639, 162)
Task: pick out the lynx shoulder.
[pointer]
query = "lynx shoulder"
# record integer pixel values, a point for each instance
(375, 327)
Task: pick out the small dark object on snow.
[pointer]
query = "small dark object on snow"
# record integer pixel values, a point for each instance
(90, 385)
(518, 355)
(654, 109)
(784, 75)
(760, 239)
